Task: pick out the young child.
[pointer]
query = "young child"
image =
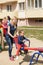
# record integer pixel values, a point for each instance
(5, 26)
(21, 40)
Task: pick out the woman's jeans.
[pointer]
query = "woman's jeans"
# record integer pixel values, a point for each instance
(9, 42)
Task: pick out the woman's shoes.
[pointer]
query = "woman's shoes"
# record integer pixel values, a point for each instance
(12, 58)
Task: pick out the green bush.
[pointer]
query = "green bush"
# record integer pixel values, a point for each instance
(0, 31)
(0, 48)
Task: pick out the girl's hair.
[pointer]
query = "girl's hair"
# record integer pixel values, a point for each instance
(4, 18)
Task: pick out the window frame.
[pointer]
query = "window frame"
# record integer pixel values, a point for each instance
(9, 8)
(38, 4)
(21, 6)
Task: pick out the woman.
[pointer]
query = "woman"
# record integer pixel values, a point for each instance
(9, 37)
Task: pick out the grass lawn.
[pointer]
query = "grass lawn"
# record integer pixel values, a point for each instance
(31, 26)
(33, 33)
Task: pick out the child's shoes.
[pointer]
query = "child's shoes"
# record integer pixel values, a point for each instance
(16, 57)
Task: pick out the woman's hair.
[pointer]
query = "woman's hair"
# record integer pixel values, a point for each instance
(15, 17)
(9, 18)
(12, 20)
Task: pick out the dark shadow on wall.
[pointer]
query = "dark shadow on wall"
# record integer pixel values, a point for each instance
(35, 22)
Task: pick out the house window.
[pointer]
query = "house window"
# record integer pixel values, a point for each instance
(38, 3)
(21, 6)
(9, 8)
(0, 8)
(30, 3)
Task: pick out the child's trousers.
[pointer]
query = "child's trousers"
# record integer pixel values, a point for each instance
(19, 47)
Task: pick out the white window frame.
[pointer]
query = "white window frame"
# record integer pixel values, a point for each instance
(37, 4)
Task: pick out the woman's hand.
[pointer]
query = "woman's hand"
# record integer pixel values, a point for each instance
(12, 36)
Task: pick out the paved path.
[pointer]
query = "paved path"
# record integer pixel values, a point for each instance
(23, 59)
